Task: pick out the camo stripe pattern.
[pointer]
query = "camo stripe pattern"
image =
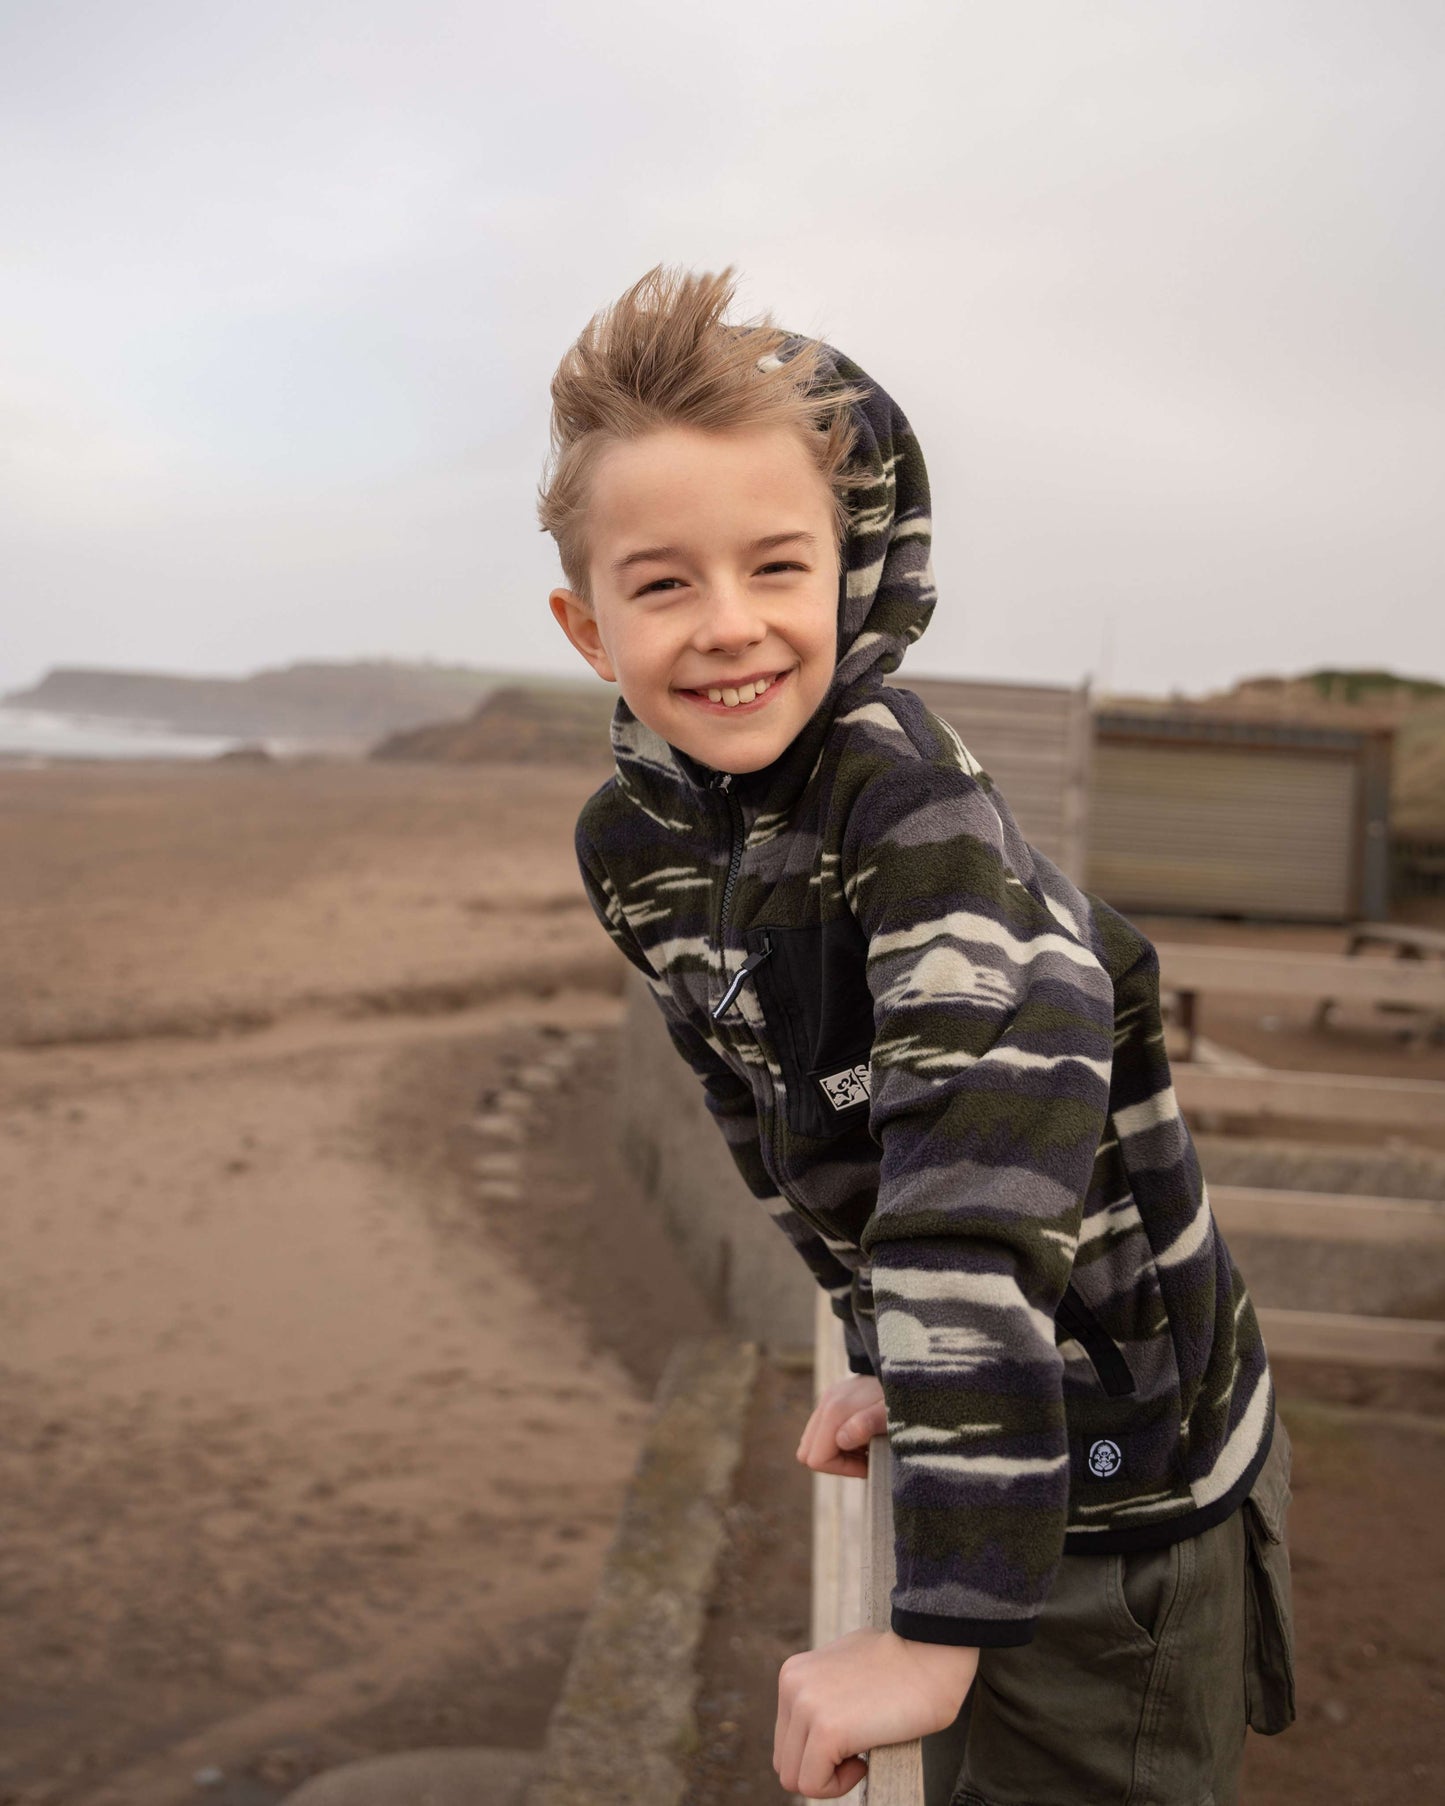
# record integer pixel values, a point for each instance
(945, 1081)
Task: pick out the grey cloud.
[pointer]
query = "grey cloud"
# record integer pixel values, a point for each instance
(1160, 287)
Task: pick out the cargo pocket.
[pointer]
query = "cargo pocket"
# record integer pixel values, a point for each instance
(1268, 1602)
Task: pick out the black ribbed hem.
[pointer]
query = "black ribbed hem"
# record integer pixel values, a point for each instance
(861, 1364)
(1164, 1531)
(968, 1633)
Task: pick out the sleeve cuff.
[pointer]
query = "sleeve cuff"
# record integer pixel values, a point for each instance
(861, 1364)
(974, 1633)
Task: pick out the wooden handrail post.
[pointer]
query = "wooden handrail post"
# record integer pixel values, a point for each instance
(853, 1570)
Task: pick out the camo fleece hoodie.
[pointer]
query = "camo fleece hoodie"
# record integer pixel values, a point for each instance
(940, 1067)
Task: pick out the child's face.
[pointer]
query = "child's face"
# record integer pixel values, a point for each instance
(712, 561)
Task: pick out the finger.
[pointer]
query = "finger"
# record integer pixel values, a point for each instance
(791, 1756)
(863, 1426)
(852, 1467)
(819, 1437)
(817, 1443)
(820, 1775)
(780, 1729)
(825, 1457)
(851, 1431)
(809, 1429)
(850, 1772)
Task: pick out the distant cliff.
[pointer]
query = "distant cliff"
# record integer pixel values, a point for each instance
(554, 724)
(315, 702)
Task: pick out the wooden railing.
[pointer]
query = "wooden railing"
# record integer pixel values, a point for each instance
(853, 1568)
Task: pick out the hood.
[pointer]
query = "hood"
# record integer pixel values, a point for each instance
(885, 597)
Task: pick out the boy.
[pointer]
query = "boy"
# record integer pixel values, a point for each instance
(940, 1067)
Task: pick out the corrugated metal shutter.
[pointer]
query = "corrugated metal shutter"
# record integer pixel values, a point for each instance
(1213, 829)
(1033, 741)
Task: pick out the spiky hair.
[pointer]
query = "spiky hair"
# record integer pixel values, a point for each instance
(662, 355)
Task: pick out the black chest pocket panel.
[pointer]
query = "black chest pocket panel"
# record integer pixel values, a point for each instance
(814, 995)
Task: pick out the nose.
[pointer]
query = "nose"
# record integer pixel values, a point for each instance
(730, 621)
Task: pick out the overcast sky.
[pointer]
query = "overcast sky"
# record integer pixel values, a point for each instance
(1159, 285)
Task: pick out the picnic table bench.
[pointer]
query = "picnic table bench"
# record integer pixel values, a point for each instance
(1405, 941)
(1187, 968)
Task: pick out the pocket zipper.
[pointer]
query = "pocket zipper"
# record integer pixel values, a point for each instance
(740, 978)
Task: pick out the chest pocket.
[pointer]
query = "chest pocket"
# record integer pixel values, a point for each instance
(814, 995)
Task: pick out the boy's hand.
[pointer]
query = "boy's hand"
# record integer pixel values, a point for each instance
(868, 1688)
(848, 1413)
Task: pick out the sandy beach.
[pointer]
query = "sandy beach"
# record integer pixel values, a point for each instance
(330, 1318)
(318, 1415)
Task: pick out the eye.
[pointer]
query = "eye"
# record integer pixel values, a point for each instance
(659, 583)
(782, 565)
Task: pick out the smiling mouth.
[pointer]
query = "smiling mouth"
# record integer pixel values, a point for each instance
(730, 698)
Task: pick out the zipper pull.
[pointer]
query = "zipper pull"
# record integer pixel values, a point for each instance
(749, 965)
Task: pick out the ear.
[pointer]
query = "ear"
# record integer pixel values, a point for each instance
(579, 624)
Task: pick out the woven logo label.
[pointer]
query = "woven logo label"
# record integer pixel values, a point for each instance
(1105, 1459)
(846, 1088)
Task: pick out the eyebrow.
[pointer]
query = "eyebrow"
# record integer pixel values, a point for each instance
(660, 554)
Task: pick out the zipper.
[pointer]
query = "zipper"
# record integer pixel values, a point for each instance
(748, 967)
(722, 781)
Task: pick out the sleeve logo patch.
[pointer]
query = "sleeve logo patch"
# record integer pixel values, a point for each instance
(1105, 1459)
(846, 1088)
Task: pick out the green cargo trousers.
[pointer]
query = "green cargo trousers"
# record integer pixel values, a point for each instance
(1142, 1675)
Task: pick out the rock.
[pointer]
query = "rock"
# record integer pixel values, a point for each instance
(502, 1165)
(500, 1128)
(541, 1077)
(505, 1191)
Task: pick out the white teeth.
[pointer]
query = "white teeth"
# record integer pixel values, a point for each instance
(734, 694)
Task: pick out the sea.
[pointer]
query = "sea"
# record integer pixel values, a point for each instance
(35, 737)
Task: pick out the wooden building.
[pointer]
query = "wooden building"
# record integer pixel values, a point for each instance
(1188, 808)
(1220, 813)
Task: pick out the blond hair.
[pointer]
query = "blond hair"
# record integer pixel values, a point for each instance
(661, 355)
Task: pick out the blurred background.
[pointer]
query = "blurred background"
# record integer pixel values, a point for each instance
(348, 1243)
